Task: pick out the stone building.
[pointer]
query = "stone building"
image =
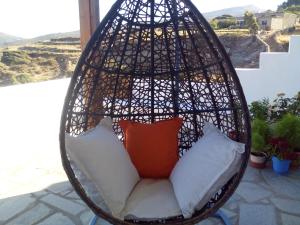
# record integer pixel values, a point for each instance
(276, 21)
(270, 20)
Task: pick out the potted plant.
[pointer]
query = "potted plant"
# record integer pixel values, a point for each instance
(288, 130)
(280, 160)
(260, 132)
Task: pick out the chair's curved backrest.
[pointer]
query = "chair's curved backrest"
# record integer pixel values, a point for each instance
(154, 59)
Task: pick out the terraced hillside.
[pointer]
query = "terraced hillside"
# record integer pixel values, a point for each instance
(40, 61)
(57, 58)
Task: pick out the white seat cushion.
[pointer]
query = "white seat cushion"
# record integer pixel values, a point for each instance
(205, 168)
(102, 157)
(152, 199)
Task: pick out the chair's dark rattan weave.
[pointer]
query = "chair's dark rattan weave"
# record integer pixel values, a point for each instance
(151, 60)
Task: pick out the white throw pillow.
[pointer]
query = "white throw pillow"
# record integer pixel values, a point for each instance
(102, 157)
(205, 168)
(152, 199)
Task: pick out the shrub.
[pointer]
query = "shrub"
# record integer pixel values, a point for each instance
(22, 78)
(260, 135)
(258, 143)
(214, 24)
(259, 109)
(288, 128)
(261, 127)
(6, 77)
(47, 62)
(18, 68)
(15, 58)
(3, 67)
(226, 23)
(250, 22)
(222, 22)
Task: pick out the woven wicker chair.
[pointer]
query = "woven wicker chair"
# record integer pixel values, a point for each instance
(151, 60)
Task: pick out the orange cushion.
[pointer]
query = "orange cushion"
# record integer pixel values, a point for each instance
(153, 148)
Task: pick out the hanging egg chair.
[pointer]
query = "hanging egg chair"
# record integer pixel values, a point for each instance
(151, 60)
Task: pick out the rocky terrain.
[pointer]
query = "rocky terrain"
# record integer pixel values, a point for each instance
(243, 49)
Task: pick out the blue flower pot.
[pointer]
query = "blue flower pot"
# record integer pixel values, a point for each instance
(280, 167)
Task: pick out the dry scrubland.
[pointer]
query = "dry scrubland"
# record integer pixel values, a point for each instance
(38, 62)
(283, 38)
(57, 58)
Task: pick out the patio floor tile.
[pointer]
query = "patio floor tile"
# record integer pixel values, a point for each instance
(63, 204)
(251, 214)
(252, 192)
(287, 205)
(57, 219)
(37, 213)
(14, 205)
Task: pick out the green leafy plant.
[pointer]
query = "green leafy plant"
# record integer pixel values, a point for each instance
(261, 127)
(281, 106)
(259, 109)
(258, 143)
(260, 135)
(294, 107)
(288, 128)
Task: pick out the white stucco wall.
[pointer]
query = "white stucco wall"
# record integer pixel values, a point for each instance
(276, 23)
(278, 73)
(290, 20)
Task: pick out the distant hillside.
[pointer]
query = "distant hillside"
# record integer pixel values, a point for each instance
(234, 11)
(293, 9)
(5, 39)
(72, 34)
(20, 41)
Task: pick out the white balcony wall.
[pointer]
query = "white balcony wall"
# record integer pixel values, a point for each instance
(278, 73)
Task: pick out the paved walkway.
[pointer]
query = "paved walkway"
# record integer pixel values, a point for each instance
(34, 188)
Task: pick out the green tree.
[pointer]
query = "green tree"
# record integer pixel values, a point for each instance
(224, 21)
(250, 22)
(254, 27)
(214, 24)
(288, 3)
(225, 16)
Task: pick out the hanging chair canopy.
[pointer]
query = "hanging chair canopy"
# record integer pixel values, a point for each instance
(151, 60)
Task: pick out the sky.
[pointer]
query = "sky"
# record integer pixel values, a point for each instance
(31, 18)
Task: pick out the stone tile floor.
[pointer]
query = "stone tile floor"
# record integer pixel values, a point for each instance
(263, 198)
(34, 188)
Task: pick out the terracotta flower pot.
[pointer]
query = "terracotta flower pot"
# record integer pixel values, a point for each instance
(258, 160)
(295, 158)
